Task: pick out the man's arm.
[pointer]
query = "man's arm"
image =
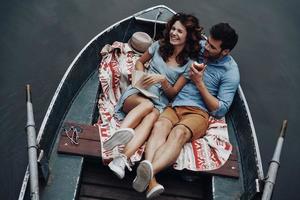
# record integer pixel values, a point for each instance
(218, 106)
(196, 75)
(227, 89)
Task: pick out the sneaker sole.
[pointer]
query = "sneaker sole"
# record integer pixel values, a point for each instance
(114, 170)
(121, 136)
(144, 174)
(155, 191)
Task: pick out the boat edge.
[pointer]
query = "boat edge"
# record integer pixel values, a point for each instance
(257, 151)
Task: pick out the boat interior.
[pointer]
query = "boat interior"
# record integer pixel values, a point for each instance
(83, 176)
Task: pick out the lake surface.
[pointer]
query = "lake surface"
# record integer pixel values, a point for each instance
(39, 39)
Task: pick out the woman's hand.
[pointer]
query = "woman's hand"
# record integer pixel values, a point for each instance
(152, 79)
(196, 72)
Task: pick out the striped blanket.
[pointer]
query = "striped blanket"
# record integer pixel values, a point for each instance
(203, 154)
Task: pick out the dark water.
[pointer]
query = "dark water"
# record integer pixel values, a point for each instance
(39, 39)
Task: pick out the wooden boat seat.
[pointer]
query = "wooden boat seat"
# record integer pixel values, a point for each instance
(89, 146)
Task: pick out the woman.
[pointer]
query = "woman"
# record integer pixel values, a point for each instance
(170, 59)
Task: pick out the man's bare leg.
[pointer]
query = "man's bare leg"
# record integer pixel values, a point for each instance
(152, 183)
(167, 154)
(158, 137)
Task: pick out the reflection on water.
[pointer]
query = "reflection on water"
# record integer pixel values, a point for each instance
(40, 39)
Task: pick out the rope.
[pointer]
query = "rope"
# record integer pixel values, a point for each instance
(75, 134)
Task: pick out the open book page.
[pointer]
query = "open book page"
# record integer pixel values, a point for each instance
(137, 80)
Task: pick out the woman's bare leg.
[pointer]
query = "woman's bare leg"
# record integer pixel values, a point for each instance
(136, 107)
(142, 132)
(158, 137)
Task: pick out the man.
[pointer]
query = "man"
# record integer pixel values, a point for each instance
(209, 92)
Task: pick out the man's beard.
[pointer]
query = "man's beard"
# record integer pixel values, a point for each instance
(211, 58)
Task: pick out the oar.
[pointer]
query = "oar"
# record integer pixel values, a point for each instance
(32, 147)
(274, 165)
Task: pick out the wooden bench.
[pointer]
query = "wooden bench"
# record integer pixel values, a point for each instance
(89, 146)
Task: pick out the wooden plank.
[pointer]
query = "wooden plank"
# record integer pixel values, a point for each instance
(84, 148)
(180, 184)
(89, 146)
(89, 141)
(88, 198)
(89, 132)
(93, 191)
(100, 176)
(104, 176)
(108, 192)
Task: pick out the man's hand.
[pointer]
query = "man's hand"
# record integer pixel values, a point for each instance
(196, 73)
(152, 79)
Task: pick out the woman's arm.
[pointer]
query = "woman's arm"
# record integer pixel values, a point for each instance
(172, 91)
(140, 63)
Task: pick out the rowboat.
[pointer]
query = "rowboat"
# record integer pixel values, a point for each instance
(82, 177)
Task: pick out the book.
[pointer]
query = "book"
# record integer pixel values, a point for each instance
(137, 80)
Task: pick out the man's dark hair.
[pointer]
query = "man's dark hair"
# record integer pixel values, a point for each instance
(225, 33)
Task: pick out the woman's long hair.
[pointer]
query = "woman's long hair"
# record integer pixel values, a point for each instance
(191, 48)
